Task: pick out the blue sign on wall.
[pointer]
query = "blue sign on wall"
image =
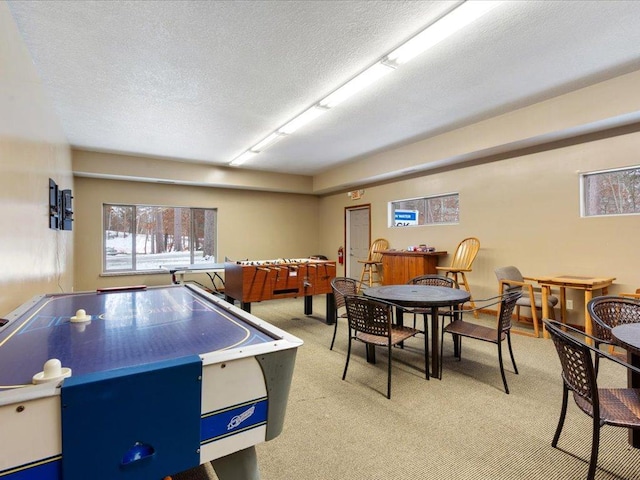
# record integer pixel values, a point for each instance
(404, 218)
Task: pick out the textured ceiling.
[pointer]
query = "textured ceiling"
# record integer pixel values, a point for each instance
(203, 81)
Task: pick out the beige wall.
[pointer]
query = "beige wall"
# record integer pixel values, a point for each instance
(35, 259)
(526, 212)
(605, 105)
(107, 165)
(258, 225)
(524, 208)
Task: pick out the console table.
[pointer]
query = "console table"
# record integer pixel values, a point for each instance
(400, 266)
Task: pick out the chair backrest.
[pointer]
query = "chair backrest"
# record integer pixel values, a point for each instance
(509, 273)
(369, 316)
(610, 311)
(466, 253)
(377, 246)
(507, 304)
(631, 295)
(434, 281)
(578, 372)
(342, 286)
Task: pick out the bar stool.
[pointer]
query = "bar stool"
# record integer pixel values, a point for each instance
(372, 266)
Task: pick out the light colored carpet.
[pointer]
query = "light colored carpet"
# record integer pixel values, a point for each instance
(461, 427)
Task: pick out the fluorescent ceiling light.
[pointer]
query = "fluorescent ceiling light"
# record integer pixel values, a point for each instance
(356, 84)
(302, 119)
(459, 18)
(243, 158)
(267, 142)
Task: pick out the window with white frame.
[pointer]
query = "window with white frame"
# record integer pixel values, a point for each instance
(611, 192)
(432, 210)
(144, 237)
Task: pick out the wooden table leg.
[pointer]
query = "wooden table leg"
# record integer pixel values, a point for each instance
(545, 308)
(563, 305)
(588, 327)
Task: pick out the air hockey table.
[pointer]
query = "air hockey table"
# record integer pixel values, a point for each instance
(138, 383)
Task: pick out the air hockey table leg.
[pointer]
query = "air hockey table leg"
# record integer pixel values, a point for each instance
(240, 465)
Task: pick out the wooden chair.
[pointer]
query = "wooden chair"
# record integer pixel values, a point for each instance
(619, 407)
(461, 328)
(462, 261)
(510, 279)
(341, 286)
(373, 264)
(371, 322)
(435, 281)
(631, 295)
(607, 312)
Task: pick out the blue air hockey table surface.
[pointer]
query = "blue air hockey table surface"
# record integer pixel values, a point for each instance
(160, 380)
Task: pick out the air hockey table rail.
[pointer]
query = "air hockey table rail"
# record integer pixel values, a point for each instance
(163, 379)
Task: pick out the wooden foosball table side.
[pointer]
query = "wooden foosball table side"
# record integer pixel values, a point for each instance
(258, 281)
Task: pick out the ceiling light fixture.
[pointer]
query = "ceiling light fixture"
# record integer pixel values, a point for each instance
(267, 142)
(353, 86)
(302, 119)
(248, 155)
(457, 19)
(446, 26)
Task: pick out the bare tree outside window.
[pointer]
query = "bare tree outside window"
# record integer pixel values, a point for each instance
(612, 192)
(144, 237)
(438, 209)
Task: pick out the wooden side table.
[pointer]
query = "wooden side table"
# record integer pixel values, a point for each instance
(575, 282)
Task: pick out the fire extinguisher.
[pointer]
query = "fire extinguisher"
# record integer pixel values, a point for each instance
(341, 256)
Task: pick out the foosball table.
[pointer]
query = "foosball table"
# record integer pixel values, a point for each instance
(250, 281)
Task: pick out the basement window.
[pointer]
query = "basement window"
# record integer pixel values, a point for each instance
(432, 210)
(610, 192)
(141, 238)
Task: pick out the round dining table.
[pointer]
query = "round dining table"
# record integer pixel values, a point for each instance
(426, 297)
(628, 336)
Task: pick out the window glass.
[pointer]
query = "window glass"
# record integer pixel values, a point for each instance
(437, 209)
(144, 237)
(611, 192)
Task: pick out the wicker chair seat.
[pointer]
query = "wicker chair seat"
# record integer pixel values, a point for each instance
(608, 312)
(472, 330)
(371, 322)
(618, 406)
(340, 287)
(398, 334)
(460, 329)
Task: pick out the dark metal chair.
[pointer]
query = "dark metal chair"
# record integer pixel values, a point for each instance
(371, 322)
(619, 407)
(434, 281)
(462, 328)
(341, 286)
(608, 312)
